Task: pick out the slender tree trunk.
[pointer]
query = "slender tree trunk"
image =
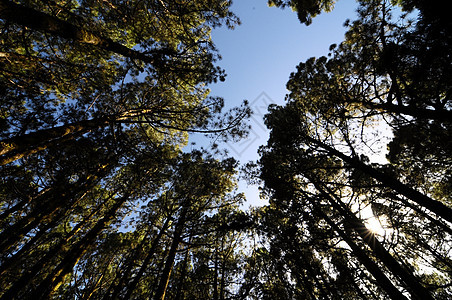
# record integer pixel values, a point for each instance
(358, 290)
(53, 280)
(50, 203)
(15, 232)
(20, 205)
(92, 290)
(302, 280)
(371, 266)
(441, 258)
(115, 288)
(369, 289)
(144, 265)
(18, 256)
(14, 208)
(414, 286)
(215, 273)
(40, 21)
(434, 206)
(14, 148)
(180, 287)
(421, 212)
(222, 282)
(225, 253)
(177, 238)
(51, 283)
(310, 265)
(329, 292)
(310, 274)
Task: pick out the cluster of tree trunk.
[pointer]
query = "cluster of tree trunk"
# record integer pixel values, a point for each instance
(97, 199)
(325, 192)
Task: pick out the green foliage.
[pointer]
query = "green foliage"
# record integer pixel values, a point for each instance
(306, 9)
(318, 173)
(99, 202)
(97, 99)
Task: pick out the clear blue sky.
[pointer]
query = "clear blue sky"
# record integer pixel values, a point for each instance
(259, 56)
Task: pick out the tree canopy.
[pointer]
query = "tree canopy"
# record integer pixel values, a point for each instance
(100, 198)
(320, 172)
(97, 99)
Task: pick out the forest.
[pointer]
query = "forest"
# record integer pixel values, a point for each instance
(100, 198)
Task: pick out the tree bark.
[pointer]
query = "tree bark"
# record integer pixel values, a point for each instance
(144, 265)
(21, 146)
(51, 283)
(177, 238)
(414, 286)
(434, 206)
(27, 277)
(442, 115)
(20, 205)
(48, 204)
(181, 284)
(19, 255)
(371, 266)
(14, 148)
(421, 212)
(215, 273)
(14, 233)
(40, 21)
(115, 288)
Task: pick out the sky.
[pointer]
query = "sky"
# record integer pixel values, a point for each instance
(259, 56)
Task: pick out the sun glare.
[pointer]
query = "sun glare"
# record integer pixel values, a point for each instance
(374, 226)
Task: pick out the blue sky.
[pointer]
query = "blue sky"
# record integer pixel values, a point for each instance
(259, 56)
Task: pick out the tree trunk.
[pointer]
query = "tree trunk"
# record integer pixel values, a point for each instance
(215, 273)
(26, 278)
(48, 204)
(177, 238)
(53, 280)
(40, 21)
(16, 258)
(115, 288)
(223, 265)
(15, 232)
(14, 148)
(20, 205)
(19, 255)
(434, 206)
(51, 283)
(441, 115)
(420, 211)
(371, 266)
(305, 262)
(144, 265)
(181, 285)
(21, 146)
(414, 286)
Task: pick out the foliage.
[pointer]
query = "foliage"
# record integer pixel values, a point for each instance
(99, 202)
(306, 9)
(320, 172)
(97, 99)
